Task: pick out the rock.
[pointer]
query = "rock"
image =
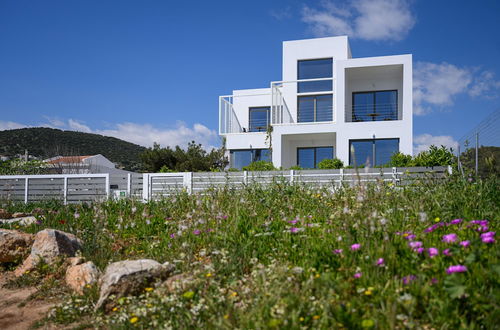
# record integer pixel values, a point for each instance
(80, 275)
(50, 244)
(4, 214)
(129, 277)
(73, 261)
(177, 282)
(24, 221)
(14, 245)
(20, 215)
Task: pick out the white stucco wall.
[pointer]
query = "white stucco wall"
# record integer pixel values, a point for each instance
(246, 98)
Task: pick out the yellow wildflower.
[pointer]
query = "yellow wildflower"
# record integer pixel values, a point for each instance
(208, 275)
(437, 219)
(115, 309)
(316, 317)
(226, 316)
(134, 319)
(317, 276)
(148, 289)
(233, 294)
(368, 292)
(301, 319)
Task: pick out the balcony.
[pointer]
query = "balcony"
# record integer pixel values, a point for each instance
(364, 113)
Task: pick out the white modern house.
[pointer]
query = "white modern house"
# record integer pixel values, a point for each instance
(328, 105)
(91, 164)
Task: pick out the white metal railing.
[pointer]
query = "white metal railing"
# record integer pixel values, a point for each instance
(280, 111)
(228, 121)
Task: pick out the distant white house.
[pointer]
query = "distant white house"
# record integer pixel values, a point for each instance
(327, 105)
(83, 165)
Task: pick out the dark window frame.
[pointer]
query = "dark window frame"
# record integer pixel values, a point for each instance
(375, 102)
(314, 110)
(374, 151)
(315, 152)
(309, 60)
(268, 117)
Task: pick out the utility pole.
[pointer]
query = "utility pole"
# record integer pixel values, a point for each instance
(477, 153)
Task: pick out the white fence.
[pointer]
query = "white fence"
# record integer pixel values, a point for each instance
(78, 188)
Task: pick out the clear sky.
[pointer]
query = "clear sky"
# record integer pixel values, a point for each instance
(149, 71)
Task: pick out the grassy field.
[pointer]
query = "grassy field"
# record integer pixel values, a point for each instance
(289, 256)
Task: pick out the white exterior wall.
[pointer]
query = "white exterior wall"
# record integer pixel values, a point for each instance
(349, 75)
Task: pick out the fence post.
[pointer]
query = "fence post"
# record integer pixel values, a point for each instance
(129, 184)
(245, 177)
(394, 175)
(107, 186)
(450, 170)
(65, 190)
(477, 153)
(292, 176)
(26, 190)
(145, 187)
(188, 182)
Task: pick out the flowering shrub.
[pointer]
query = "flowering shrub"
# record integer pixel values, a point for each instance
(294, 256)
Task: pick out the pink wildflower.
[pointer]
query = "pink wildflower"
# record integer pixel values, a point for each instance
(408, 279)
(415, 245)
(295, 230)
(355, 247)
(358, 275)
(420, 250)
(196, 232)
(488, 237)
(432, 252)
(447, 252)
(450, 238)
(380, 261)
(465, 243)
(455, 222)
(337, 251)
(456, 269)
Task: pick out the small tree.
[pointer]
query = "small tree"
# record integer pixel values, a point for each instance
(260, 165)
(399, 159)
(329, 164)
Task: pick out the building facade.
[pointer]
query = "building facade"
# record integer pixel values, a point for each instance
(327, 105)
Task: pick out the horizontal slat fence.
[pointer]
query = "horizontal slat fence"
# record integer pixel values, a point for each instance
(77, 188)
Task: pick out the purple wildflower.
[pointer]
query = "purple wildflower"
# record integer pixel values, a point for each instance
(455, 222)
(355, 247)
(420, 250)
(434, 227)
(196, 232)
(172, 235)
(293, 221)
(447, 252)
(408, 279)
(295, 230)
(415, 245)
(434, 281)
(432, 252)
(337, 251)
(465, 243)
(358, 275)
(456, 269)
(488, 237)
(408, 235)
(450, 238)
(380, 261)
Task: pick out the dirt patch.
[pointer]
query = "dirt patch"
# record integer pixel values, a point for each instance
(17, 310)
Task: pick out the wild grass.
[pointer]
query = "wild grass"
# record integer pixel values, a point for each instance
(269, 257)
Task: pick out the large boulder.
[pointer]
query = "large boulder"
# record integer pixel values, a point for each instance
(4, 214)
(80, 275)
(130, 277)
(14, 245)
(49, 245)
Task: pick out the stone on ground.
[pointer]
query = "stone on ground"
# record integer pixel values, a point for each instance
(80, 275)
(14, 245)
(129, 277)
(50, 244)
(23, 221)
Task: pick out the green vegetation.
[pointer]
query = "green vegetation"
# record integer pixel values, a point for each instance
(19, 167)
(433, 157)
(329, 164)
(292, 256)
(488, 160)
(48, 142)
(260, 165)
(193, 159)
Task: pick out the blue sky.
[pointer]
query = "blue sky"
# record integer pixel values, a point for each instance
(149, 71)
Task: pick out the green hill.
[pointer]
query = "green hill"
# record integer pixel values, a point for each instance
(48, 142)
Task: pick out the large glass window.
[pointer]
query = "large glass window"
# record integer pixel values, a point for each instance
(375, 106)
(312, 69)
(259, 119)
(311, 157)
(315, 108)
(372, 152)
(241, 158)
